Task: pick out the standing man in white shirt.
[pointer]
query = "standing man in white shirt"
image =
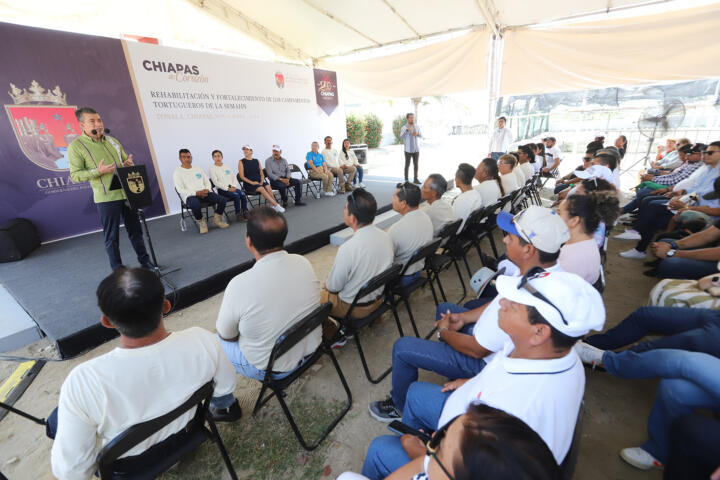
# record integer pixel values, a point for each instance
(500, 140)
(412, 231)
(261, 303)
(150, 373)
(339, 169)
(469, 199)
(439, 211)
(409, 133)
(193, 186)
(552, 154)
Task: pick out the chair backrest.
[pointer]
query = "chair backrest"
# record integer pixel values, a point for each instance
(122, 443)
(295, 169)
(299, 330)
(422, 253)
(379, 281)
(450, 229)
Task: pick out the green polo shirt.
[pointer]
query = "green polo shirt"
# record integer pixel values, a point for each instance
(84, 156)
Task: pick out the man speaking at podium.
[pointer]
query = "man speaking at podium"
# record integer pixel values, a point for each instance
(93, 157)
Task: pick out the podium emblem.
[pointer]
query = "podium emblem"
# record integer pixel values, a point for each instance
(135, 182)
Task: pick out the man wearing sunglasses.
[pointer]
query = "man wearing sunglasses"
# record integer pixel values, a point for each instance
(467, 336)
(537, 376)
(570, 178)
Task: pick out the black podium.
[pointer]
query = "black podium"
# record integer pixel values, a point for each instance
(134, 182)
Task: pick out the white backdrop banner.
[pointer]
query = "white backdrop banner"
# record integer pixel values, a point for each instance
(204, 102)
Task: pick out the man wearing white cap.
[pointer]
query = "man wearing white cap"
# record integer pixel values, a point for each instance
(468, 336)
(537, 376)
(278, 171)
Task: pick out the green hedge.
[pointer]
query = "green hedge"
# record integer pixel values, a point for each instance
(397, 126)
(373, 130)
(355, 129)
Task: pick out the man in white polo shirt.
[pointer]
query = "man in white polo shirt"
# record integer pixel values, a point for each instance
(412, 231)
(469, 335)
(439, 211)
(553, 156)
(366, 254)
(332, 159)
(150, 373)
(469, 199)
(537, 376)
(263, 302)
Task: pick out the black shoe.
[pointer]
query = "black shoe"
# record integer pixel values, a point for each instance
(284, 204)
(384, 411)
(232, 413)
(417, 181)
(300, 203)
(652, 263)
(653, 272)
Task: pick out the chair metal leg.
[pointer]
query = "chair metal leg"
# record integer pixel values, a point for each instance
(491, 239)
(462, 282)
(215, 436)
(439, 283)
(412, 318)
(364, 361)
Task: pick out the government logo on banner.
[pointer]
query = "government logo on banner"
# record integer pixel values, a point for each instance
(44, 125)
(326, 92)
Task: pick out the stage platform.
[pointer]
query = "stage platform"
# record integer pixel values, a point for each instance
(56, 284)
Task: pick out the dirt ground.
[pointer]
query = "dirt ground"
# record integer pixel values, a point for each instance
(616, 410)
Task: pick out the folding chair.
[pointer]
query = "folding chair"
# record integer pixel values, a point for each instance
(110, 466)
(251, 195)
(600, 283)
(352, 325)
(484, 227)
(291, 337)
(438, 262)
(567, 467)
(404, 292)
(534, 192)
(515, 200)
(309, 183)
(185, 212)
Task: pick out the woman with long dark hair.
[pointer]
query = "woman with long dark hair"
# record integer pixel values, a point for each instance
(347, 157)
(490, 188)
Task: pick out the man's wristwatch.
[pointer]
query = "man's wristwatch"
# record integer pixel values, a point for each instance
(670, 253)
(440, 330)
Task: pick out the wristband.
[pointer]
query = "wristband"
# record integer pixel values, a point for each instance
(441, 329)
(674, 245)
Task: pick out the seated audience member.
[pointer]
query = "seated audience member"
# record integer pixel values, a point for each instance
(537, 376)
(366, 254)
(227, 185)
(553, 157)
(349, 159)
(703, 293)
(466, 448)
(193, 186)
(533, 239)
(253, 178)
(582, 214)
(318, 169)
(264, 301)
(490, 188)
(506, 164)
(278, 171)
(338, 168)
(413, 231)
(570, 179)
(661, 184)
(149, 374)
(694, 448)
(517, 171)
(526, 160)
(439, 211)
(469, 199)
(666, 156)
(689, 380)
(540, 158)
(671, 161)
(657, 214)
(621, 144)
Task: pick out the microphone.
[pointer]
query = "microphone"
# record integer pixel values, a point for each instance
(95, 132)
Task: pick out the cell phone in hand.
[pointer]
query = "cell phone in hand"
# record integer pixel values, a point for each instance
(400, 428)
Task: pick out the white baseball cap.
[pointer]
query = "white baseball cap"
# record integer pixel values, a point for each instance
(276, 148)
(571, 305)
(539, 226)
(246, 147)
(596, 171)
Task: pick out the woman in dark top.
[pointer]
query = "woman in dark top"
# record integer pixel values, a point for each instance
(253, 178)
(621, 144)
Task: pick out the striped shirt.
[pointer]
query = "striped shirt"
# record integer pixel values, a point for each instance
(681, 174)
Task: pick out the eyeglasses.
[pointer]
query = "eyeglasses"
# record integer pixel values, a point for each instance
(535, 272)
(432, 445)
(587, 159)
(709, 152)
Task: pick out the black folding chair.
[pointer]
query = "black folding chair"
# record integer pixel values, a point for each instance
(309, 183)
(438, 262)
(515, 200)
(111, 466)
(314, 185)
(534, 192)
(353, 325)
(291, 337)
(185, 212)
(567, 467)
(403, 292)
(257, 196)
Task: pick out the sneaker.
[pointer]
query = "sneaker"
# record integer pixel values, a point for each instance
(628, 235)
(300, 203)
(639, 458)
(361, 185)
(284, 204)
(653, 272)
(384, 411)
(340, 342)
(278, 208)
(233, 413)
(329, 194)
(633, 253)
(219, 222)
(202, 225)
(588, 354)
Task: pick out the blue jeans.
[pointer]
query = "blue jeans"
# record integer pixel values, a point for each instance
(690, 380)
(560, 187)
(282, 188)
(635, 202)
(406, 280)
(238, 197)
(694, 448)
(193, 203)
(694, 329)
(243, 366)
(411, 353)
(496, 155)
(652, 218)
(425, 402)
(111, 213)
(358, 174)
(689, 268)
